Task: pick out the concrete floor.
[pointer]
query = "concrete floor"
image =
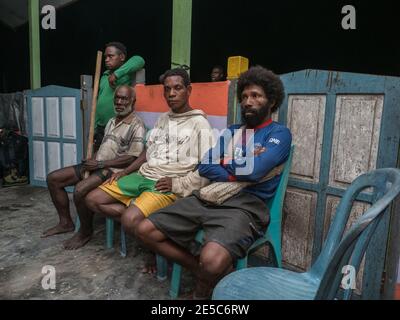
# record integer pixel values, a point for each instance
(91, 272)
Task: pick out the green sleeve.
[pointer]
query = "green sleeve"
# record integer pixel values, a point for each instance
(132, 65)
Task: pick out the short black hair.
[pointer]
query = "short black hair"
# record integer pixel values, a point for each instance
(266, 79)
(219, 67)
(177, 72)
(120, 46)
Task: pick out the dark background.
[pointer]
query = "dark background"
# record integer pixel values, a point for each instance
(285, 36)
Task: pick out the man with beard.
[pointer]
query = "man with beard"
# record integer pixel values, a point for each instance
(122, 144)
(230, 228)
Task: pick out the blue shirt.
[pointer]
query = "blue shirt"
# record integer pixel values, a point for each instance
(267, 147)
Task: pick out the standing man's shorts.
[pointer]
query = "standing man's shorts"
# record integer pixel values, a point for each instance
(140, 191)
(236, 224)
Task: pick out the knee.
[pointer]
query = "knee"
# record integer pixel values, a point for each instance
(51, 179)
(129, 220)
(90, 200)
(214, 262)
(79, 194)
(144, 230)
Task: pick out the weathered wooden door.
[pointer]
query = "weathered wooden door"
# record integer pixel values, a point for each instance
(343, 125)
(55, 131)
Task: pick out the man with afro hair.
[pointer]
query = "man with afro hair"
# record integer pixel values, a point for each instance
(256, 148)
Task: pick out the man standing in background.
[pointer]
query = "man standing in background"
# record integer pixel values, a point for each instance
(119, 72)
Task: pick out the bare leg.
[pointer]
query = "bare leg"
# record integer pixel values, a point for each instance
(56, 182)
(215, 261)
(130, 219)
(85, 216)
(156, 241)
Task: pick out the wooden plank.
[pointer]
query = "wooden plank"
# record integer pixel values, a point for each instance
(393, 253)
(355, 138)
(329, 123)
(332, 82)
(306, 121)
(298, 228)
(392, 279)
(86, 106)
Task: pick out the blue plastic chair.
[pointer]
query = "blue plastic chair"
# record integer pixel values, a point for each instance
(110, 237)
(324, 278)
(272, 235)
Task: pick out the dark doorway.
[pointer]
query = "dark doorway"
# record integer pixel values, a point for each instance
(285, 36)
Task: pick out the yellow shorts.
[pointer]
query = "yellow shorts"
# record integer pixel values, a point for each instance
(148, 202)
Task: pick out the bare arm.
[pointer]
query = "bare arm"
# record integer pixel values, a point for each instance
(120, 162)
(134, 166)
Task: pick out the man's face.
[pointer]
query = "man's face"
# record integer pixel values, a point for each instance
(216, 74)
(123, 102)
(113, 58)
(176, 94)
(255, 106)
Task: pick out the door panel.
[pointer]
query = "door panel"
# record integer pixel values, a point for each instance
(343, 125)
(306, 120)
(55, 136)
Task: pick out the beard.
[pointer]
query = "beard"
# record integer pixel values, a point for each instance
(123, 113)
(255, 117)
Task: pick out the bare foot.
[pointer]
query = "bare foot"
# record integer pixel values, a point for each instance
(58, 229)
(78, 240)
(150, 263)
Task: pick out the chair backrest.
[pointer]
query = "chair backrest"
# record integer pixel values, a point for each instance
(349, 249)
(276, 202)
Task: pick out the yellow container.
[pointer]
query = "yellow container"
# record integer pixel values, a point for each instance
(236, 66)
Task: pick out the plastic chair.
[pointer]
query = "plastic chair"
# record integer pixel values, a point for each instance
(323, 279)
(272, 235)
(110, 237)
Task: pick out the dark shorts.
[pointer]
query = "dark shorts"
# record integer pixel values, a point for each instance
(103, 174)
(235, 224)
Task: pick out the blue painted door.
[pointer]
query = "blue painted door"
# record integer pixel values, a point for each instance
(55, 131)
(343, 125)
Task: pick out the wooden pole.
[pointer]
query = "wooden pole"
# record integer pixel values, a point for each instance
(34, 43)
(181, 33)
(89, 152)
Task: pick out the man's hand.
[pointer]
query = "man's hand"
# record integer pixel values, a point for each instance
(164, 184)
(111, 80)
(116, 176)
(90, 165)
